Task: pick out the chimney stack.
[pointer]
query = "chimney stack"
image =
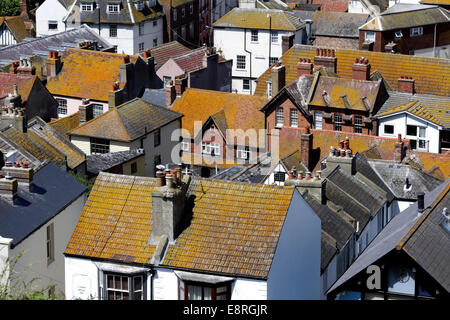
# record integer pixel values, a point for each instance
(306, 147)
(398, 149)
(86, 111)
(341, 156)
(286, 43)
(53, 64)
(26, 67)
(171, 93)
(20, 172)
(14, 66)
(116, 96)
(420, 202)
(314, 185)
(326, 58)
(168, 207)
(277, 74)
(304, 67)
(181, 83)
(210, 57)
(361, 69)
(126, 69)
(406, 85)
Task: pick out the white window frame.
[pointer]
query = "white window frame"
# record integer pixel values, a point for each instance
(240, 62)
(274, 37)
(416, 31)
(97, 109)
(141, 46)
(62, 106)
(339, 123)
(254, 35)
(293, 117)
(369, 36)
(112, 8)
(243, 153)
(53, 23)
(245, 87)
(141, 28)
(185, 146)
(209, 147)
(269, 88)
(357, 125)
(86, 7)
(113, 30)
(273, 60)
(318, 116)
(279, 116)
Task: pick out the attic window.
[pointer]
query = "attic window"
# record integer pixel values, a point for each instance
(369, 36)
(52, 25)
(417, 31)
(113, 8)
(86, 7)
(398, 34)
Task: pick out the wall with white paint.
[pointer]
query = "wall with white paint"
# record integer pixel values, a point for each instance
(50, 10)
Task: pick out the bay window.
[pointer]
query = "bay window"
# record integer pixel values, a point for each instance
(123, 287)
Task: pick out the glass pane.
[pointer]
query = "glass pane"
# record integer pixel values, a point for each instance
(411, 130)
(422, 144)
(110, 281)
(137, 283)
(117, 284)
(194, 293)
(207, 293)
(124, 283)
(224, 289)
(137, 296)
(221, 297)
(111, 295)
(125, 296)
(422, 132)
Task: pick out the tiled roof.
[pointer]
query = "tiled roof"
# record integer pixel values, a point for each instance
(443, 2)
(433, 242)
(429, 162)
(35, 145)
(354, 90)
(174, 3)
(436, 113)
(257, 19)
(105, 161)
(59, 41)
(192, 60)
(74, 156)
(24, 84)
(14, 152)
(241, 110)
(65, 124)
(332, 5)
(432, 75)
(116, 221)
(16, 26)
(128, 13)
(396, 19)
(165, 51)
(338, 24)
(234, 229)
(87, 74)
(127, 122)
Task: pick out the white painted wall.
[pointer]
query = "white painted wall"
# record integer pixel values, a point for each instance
(400, 121)
(73, 105)
(33, 263)
(6, 37)
(81, 279)
(271, 178)
(295, 270)
(231, 41)
(50, 10)
(165, 285)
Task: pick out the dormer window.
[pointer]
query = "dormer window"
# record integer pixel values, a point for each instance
(113, 8)
(86, 7)
(139, 5)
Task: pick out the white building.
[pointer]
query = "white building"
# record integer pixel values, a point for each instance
(203, 263)
(424, 120)
(255, 39)
(131, 26)
(38, 215)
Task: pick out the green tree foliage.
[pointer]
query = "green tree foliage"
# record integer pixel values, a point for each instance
(9, 7)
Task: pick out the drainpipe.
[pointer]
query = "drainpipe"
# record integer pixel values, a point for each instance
(434, 44)
(270, 35)
(245, 49)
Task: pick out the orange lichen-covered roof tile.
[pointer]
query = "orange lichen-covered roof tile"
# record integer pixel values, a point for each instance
(66, 124)
(234, 229)
(431, 75)
(87, 74)
(116, 220)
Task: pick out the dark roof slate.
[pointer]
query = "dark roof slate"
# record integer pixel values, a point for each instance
(102, 162)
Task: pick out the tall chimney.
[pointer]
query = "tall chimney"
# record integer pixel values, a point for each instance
(398, 149)
(306, 147)
(181, 83)
(209, 58)
(278, 75)
(286, 43)
(116, 96)
(406, 85)
(326, 58)
(21, 172)
(53, 64)
(86, 111)
(304, 67)
(126, 69)
(361, 69)
(170, 93)
(341, 156)
(168, 208)
(420, 202)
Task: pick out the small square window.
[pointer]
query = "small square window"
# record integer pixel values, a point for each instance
(388, 129)
(254, 36)
(417, 31)
(99, 146)
(157, 137)
(133, 167)
(369, 36)
(62, 106)
(113, 8)
(411, 130)
(273, 60)
(279, 176)
(141, 46)
(53, 25)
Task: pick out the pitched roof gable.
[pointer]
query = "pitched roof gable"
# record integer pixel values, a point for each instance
(432, 75)
(16, 26)
(165, 51)
(24, 84)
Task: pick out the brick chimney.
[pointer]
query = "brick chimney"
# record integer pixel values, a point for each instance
(326, 58)
(26, 67)
(406, 85)
(24, 9)
(85, 111)
(126, 69)
(53, 64)
(278, 76)
(168, 206)
(8, 188)
(286, 43)
(306, 148)
(181, 83)
(304, 67)
(21, 172)
(210, 58)
(116, 96)
(361, 69)
(314, 185)
(170, 93)
(150, 62)
(14, 66)
(398, 149)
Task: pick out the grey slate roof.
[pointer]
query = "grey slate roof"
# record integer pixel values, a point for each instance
(155, 96)
(436, 247)
(102, 162)
(59, 41)
(53, 191)
(338, 24)
(394, 176)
